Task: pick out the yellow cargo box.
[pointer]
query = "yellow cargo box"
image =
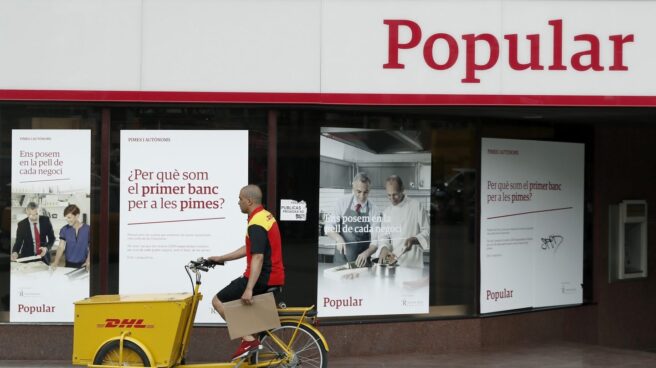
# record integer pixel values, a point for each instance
(155, 322)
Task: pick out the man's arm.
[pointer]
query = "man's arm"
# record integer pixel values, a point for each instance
(423, 235)
(332, 224)
(339, 241)
(259, 239)
(256, 268)
(361, 261)
(375, 224)
(235, 254)
(424, 228)
(15, 252)
(50, 233)
(384, 237)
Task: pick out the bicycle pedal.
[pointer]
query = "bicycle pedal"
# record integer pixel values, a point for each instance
(251, 352)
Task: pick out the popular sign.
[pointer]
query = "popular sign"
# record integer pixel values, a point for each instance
(581, 61)
(334, 51)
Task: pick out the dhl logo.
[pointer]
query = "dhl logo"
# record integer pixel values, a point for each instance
(124, 323)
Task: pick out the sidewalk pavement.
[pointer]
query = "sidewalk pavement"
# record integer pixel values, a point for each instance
(552, 355)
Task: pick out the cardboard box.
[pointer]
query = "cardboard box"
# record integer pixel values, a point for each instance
(245, 320)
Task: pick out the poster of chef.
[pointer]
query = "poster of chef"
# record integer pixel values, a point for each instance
(179, 201)
(50, 218)
(374, 234)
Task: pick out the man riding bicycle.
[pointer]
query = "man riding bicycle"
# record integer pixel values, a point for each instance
(264, 267)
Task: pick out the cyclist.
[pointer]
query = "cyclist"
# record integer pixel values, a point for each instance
(264, 267)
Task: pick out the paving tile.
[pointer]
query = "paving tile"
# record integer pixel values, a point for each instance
(552, 355)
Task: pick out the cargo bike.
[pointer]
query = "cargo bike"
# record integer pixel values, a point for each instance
(153, 331)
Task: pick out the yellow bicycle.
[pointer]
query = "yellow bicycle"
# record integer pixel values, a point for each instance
(153, 330)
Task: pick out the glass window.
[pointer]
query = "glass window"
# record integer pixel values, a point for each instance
(28, 116)
(446, 182)
(255, 120)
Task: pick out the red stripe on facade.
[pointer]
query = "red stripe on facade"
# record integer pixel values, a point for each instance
(324, 98)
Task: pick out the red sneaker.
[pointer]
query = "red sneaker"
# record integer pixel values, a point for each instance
(246, 347)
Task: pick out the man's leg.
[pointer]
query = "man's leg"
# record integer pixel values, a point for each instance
(218, 306)
(234, 291)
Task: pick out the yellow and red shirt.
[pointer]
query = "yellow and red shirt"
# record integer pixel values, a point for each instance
(263, 237)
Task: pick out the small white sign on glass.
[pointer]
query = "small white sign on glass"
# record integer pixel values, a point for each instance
(291, 210)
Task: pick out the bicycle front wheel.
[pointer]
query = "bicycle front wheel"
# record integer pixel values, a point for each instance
(133, 356)
(307, 348)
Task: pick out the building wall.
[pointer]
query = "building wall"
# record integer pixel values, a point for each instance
(577, 324)
(625, 168)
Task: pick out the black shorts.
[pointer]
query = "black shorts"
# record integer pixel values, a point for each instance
(236, 288)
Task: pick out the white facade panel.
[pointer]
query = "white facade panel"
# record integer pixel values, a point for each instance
(329, 46)
(70, 44)
(355, 46)
(231, 45)
(600, 18)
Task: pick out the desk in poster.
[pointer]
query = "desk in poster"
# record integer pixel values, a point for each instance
(41, 294)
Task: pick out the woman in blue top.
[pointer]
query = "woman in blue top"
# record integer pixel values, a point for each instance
(73, 240)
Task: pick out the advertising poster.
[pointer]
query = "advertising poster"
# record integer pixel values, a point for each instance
(50, 190)
(531, 224)
(179, 201)
(374, 231)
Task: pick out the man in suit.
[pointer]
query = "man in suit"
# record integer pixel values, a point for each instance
(34, 235)
(352, 224)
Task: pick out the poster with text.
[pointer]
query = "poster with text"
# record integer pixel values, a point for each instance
(179, 201)
(50, 176)
(531, 224)
(374, 231)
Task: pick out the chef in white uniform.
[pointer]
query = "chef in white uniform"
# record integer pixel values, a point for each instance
(405, 230)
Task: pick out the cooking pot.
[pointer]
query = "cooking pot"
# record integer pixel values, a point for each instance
(384, 270)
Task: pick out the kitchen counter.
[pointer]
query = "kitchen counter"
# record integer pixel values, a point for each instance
(399, 273)
(377, 292)
(326, 245)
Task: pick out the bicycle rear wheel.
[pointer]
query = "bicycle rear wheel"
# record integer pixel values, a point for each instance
(307, 348)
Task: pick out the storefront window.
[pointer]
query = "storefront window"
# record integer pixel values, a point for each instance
(169, 118)
(437, 161)
(51, 141)
(434, 151)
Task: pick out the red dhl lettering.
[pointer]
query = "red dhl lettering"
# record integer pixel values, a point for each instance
(124, 323)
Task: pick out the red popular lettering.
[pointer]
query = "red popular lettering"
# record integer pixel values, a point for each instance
(482, 51)
(395, 45)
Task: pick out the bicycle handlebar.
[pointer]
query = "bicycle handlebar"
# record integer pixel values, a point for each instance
(203, 264)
